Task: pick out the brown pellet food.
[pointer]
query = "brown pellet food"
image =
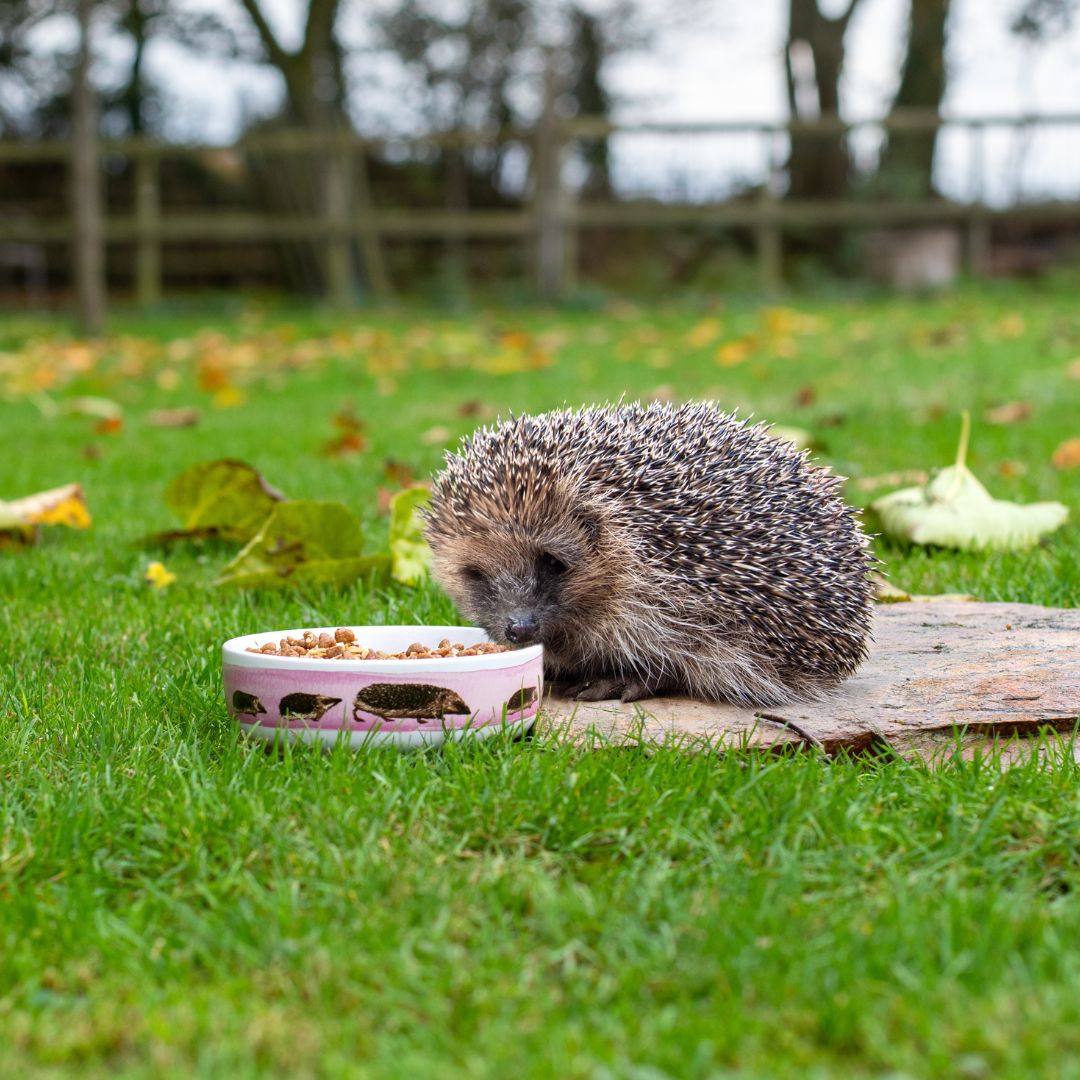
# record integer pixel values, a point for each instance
(342, 645)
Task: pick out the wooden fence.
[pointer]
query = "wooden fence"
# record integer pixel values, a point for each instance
(549, 220)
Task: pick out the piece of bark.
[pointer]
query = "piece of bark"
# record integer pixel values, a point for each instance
(935, 670)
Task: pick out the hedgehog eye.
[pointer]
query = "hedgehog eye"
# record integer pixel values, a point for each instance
(549, 565)
(474, 574)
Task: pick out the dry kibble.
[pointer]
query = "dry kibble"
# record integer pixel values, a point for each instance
(342, 645)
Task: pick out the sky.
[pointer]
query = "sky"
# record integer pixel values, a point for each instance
(718, 59)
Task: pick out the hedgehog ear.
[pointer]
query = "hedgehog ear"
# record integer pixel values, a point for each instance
(591, 526)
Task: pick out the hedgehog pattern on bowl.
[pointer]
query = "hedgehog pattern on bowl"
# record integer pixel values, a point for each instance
(245, 704)
(522, 701)
(309, 707)
(408, 701)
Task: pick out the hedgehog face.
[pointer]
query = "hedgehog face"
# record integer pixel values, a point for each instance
(523, 587)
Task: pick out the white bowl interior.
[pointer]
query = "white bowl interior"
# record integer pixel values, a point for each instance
(384, 639)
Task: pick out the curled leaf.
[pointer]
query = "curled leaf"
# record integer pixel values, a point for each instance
(304, 543)
(954, 510)
(410, 556)
(60, 506)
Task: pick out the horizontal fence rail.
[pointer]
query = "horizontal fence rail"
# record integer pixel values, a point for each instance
(550, 219)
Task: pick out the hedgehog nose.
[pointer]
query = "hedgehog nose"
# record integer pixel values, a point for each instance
(522, 628)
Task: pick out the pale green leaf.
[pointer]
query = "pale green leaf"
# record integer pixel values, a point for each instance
(954, 510)
(410, 556)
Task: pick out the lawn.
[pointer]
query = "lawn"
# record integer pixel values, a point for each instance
(174, 902)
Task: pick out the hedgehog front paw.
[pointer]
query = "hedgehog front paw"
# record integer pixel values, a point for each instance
(607, 689)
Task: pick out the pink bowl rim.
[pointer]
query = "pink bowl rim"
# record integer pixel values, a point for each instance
(234, 651)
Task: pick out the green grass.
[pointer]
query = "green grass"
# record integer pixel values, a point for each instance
(175, 902)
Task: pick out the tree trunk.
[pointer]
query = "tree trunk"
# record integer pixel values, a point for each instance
(819, 166)
(907, 163)
(86, 204)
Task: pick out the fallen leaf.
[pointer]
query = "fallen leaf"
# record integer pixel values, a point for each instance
(1011, 325)
(434, 436)
(229, 397)
(304, 543)
(353, 437)
(91, 452)
(174, 418)
(954, 510)
(1008, 414)
(111, 425)
(157, 577)
(398, 472)
(224, 498)
(59, 506)
(1072, 369)
(384, 496)
(475, 408)
(800, 438)
(891, 479)
(410, 556)
(734, 352)
(887, 593)
(100, 408)
(703, 333)
(807, 395)
(1067, 455)
(1009, 469)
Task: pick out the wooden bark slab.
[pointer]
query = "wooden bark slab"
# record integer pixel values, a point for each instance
(935, 669)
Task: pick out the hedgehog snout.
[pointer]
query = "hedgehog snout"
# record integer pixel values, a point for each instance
(522, 627)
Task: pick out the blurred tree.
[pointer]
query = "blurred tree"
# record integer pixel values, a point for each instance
(906, 168)
(819, 166)
(591, 44)
(1040, 20)
(314, 76)
(30, 77)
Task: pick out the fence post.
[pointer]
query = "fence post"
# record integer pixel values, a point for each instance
(547, 192)
(85, 196)
(147, 223)
(378, 278)
(977, 231)
(337, 259)
(768, 240)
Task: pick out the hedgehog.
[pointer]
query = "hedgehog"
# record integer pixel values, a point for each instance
(416, 701)
(656, 549)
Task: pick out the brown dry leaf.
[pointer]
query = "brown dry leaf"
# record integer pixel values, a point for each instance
(807, 395)
(1067, 455)
(475, 409)
(1009, 413)
(384, 496)
(174, 418)
(111, 425)
(1009, 469)
(1072, 369)
(892, 479)
(353, 437)
(398, 472)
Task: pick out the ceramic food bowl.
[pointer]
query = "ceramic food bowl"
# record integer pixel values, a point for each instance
(403, 703)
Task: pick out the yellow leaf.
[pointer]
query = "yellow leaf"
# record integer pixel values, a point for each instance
(228, 397)
(734, 352)
(60, 506)
(704, 333)
(1011, 325)
(1067, 455)
(157, 577)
